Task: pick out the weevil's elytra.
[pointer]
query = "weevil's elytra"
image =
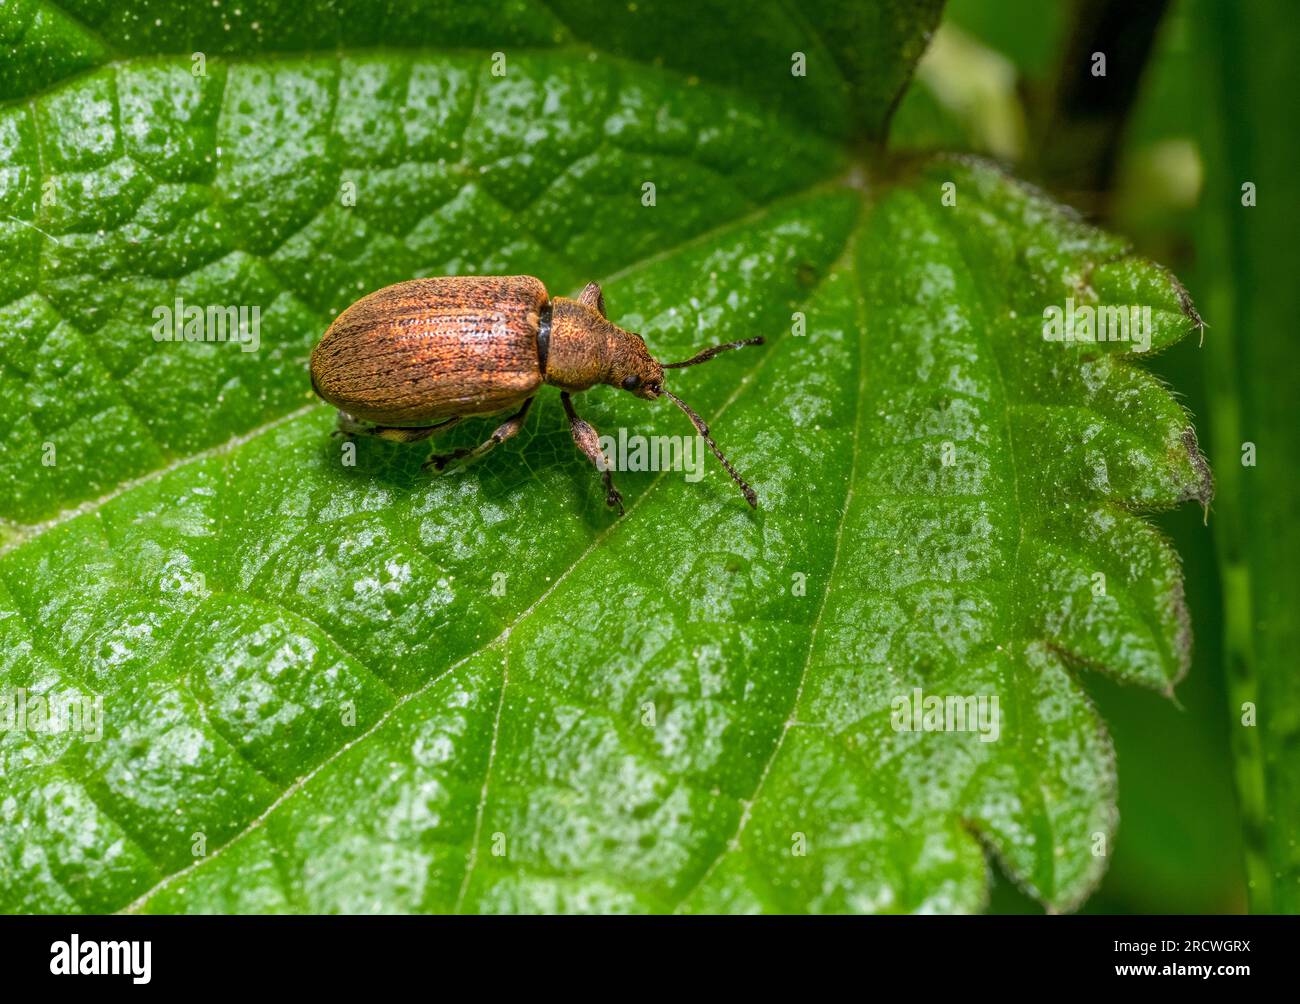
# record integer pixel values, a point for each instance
(433, 349)
(414, 359)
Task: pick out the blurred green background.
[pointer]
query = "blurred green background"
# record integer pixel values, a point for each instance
(1197, 100)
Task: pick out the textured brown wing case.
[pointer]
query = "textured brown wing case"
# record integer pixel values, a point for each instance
(427, 349)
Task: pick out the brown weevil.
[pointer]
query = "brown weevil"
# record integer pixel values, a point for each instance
(412, 360)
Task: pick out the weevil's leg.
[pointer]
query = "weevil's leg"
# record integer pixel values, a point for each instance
(506, 430)
(584, 434)
(349, 426)
(592, 296)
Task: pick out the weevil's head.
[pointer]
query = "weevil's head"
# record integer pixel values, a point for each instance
(634, 369)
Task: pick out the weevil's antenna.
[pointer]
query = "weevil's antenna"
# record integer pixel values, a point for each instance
(703, 430)
(707, 354)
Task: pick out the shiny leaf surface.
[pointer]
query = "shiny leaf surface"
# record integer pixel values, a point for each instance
(362, 688)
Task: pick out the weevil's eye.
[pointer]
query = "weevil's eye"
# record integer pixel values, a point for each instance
(631, 382)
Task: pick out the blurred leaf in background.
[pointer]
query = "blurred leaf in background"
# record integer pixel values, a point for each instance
(986, 70)
(1247, 268)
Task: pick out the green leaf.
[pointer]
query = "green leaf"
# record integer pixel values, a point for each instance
(362, 688)
(1247, 260)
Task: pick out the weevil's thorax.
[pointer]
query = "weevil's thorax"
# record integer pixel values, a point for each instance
(585, 349)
